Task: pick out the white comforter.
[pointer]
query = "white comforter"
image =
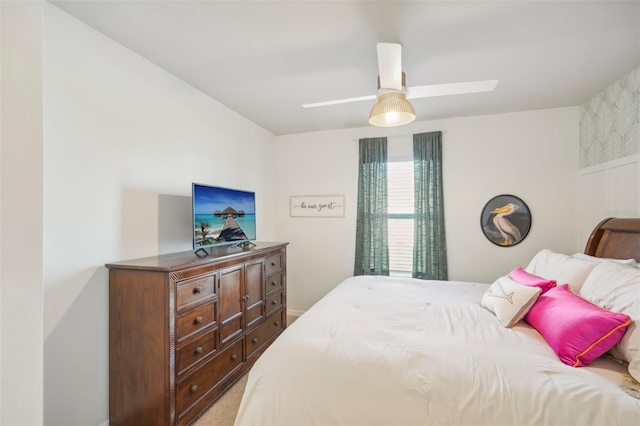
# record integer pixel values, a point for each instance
(398, 351)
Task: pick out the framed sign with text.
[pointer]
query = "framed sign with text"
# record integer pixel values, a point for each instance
(316, 206)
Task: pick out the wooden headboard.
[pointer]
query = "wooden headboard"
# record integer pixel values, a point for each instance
(615, 238)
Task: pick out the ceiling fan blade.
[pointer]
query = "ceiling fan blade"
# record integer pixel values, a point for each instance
(390, 65)
(451, 89)
(340, 101)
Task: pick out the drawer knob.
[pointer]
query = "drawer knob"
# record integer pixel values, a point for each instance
(198, 320)
(254, 340)
(198, 350)
(197, 290)
(273, 283)
(194, 389)
(234, 357)
(276, 323)
(273, 263)
(273, 302)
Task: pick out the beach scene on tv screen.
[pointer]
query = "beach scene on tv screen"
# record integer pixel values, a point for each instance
(222, 215)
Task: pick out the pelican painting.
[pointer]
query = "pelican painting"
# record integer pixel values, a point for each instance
(505, 220)
(510, 234)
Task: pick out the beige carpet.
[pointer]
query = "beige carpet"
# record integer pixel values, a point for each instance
(224, 411)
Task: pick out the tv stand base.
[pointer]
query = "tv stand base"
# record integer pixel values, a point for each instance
(245, 244)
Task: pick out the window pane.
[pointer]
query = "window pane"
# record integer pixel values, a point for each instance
(400, 205)
(401, 244)
(400, 187)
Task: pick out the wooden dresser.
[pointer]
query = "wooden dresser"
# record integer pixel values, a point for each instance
(183, 329)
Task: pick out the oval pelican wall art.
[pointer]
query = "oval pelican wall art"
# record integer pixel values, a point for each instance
(505, 220)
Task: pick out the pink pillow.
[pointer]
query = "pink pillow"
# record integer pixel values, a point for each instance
(521, 276)
(577, 330)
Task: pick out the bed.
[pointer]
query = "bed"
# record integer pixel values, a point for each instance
(399, 351)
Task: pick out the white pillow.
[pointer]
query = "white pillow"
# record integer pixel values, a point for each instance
(560, 267)
(509, 301)
(628, 262)
(616, 287)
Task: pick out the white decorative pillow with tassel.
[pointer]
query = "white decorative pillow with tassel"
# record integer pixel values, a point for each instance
(509, 301)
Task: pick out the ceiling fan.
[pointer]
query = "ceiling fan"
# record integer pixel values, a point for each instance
(392, 107)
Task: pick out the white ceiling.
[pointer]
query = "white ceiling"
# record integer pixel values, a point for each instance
(264, 59)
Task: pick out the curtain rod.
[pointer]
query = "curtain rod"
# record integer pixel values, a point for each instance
(400, 136)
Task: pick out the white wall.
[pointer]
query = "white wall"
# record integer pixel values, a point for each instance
(21, 247)
(610, 189)
(123, 142)
(533, 155)
(1, 119)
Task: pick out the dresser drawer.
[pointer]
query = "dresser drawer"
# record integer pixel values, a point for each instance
(273, 264)
(274, 283)
(195, 320)
(196, 385)
(264, 332)
(196, 351)
(193, 291)
(274, 302)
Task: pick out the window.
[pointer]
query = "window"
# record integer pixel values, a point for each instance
(385, 243)
(401, 213)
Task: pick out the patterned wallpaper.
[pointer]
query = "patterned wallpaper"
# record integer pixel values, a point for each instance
(610, 122)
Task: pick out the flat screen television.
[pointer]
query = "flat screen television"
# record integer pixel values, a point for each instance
(222, 216)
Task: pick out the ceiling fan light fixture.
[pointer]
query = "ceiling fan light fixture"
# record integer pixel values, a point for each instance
(392, 109)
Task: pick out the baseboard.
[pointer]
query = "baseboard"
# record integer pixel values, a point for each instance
(294, 312)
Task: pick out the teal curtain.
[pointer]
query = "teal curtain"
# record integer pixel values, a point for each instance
(372, 246)
(429, 249)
